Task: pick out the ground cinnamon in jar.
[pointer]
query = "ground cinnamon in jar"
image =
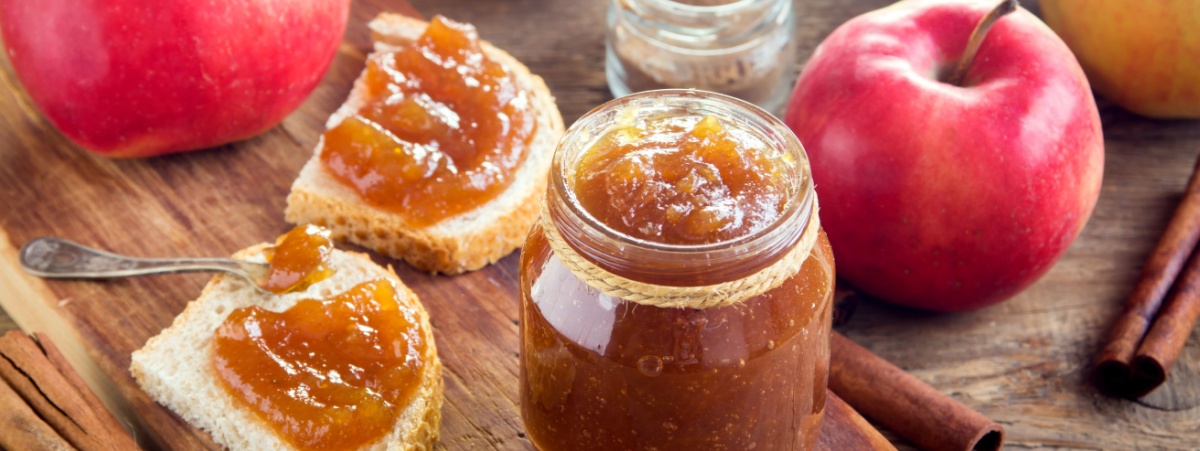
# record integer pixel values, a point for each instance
(743, 48)
(677, 293)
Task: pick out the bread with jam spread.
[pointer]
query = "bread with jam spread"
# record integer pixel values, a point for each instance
(176, 367)
(456, 244)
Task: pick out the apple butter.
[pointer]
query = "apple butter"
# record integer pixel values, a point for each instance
(325, 374)
(299, 259)
(678, 189)
(680, 180)
(444, 130)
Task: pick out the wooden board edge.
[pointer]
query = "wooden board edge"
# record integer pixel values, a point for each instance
(33, 308)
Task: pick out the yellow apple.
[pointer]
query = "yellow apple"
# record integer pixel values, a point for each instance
(1143, 55)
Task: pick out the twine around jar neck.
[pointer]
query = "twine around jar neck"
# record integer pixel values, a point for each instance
(698, 297)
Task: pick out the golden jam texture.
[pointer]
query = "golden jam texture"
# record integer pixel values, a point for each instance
(681, 180)
(325, 374)
(444, 131)
(299, 259)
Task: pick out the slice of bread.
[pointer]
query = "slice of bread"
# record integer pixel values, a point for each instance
(175, 367)
(461, 243)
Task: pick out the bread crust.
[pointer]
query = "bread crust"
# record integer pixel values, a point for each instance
(458, 244)
(175, 367)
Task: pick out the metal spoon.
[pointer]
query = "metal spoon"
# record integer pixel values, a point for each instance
(57, 258)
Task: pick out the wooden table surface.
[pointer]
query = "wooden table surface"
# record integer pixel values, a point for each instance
(1021, 363)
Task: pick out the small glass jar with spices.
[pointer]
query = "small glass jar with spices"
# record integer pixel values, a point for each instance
(743, 48)
(677, 292)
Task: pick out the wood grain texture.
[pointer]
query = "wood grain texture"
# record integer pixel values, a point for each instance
(7, 323)
(1021, 363)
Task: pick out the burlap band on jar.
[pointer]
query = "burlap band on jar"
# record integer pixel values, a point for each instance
(698, 297)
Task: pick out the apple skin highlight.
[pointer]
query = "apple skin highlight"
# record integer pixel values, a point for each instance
(135, 78)
(947, 197)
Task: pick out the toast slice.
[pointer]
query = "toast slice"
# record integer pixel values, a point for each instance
(457, 244)
(175, 367)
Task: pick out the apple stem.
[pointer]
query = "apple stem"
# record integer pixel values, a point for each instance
(980, 32)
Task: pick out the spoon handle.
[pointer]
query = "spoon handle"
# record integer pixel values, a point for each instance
(58, 258)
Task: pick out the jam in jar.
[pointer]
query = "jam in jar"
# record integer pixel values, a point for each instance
(677, 293)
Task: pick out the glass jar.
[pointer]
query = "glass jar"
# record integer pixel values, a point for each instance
(601, 372)
(743, 48)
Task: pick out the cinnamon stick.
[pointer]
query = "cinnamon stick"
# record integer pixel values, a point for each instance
(845, 429)
(58, 399)
(1113, 371)
(21, 426)
(59, 362)
(1162, 345)
(904, 404)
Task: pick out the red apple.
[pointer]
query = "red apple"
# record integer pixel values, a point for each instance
(132, 78)
(948, 195)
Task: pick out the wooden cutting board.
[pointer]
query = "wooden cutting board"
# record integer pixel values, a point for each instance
(212, 203)
(1022, 363)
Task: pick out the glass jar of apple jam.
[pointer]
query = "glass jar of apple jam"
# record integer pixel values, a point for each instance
(677, 293)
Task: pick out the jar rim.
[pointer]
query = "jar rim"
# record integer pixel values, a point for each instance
(675, 6)
(780, 235)
(700, 30)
